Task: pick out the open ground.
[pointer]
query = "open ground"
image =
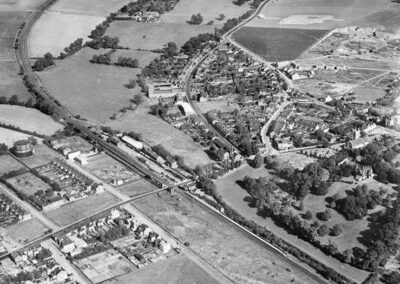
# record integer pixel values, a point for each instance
(26, 231)
(235, 196)
(42, 156)
(79, 209)
(220, 244)
(72, 20)
(8, 164)
(28, 119)
(75, 82)
(138, 187)
(156, 131)
(177, 269)
(28, 184)
(104, 265)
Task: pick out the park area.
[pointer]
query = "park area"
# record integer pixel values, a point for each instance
(238, 198)
(219, 243)
(177, 269)
(42, 156)
(29, 119)
(75, 81)
(105, 265)
(77, 210)
(156, 131)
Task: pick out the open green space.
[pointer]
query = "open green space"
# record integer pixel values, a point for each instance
(26, 231)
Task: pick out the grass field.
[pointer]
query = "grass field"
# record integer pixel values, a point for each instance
(104, 265)
(137, 187)
(71, 19)
(26, 231)
(12, 14)
(156, 131)
(342, 12)
(77, 210)
(276, 44)
(177, 269)
(8, 136)
(42, 156)
(28, 184)
(8, 164)
(154, 35)
(28, 119)
(209, 9)
(227, 249)
(234, 196)
(75, 82)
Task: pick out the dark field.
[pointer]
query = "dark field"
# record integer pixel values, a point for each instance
(275, 44)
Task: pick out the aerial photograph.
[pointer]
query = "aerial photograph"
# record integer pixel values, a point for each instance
(199, 141)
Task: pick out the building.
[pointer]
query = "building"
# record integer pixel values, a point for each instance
(165, 90)
(132, 142)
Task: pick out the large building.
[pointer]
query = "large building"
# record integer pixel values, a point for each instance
(23, 148)
(165, 89)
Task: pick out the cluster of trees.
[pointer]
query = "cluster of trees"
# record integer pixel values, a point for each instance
(194, 44)
(309, 179)
(127, 62)
(104, 42)
(72, 48)
(101, 59)
(14, 100)
(114, 233)
(356, 204)
(3, 149)
(257, 162)
(43, 62)
(160, 6)
(383, 239)
(160, 150)
(196, 19)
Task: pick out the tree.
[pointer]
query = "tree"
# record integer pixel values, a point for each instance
(323, 230)
(3, 100)
(131, 84)
(257, 161)
(13, 100)
(337, 230)
(196, 19)
(171, 49)
(308, 215)
(221, 17)
(324, 216)
(137, 99)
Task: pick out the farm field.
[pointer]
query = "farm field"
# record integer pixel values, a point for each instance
(75, 81)
(19, 5)
(104, 265)
(156, 131)
(177, 269)
(8, 164)
(137, 187)
(42, 156)
(71, 19)
(79, 209)
(28, 119)
(26, 231)
(220, 244)
(154, 35)
(8, 136)
(315, 14)
(274, 44)
(10, 82)
(28, 184)
(387, 18)
(235, 196)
